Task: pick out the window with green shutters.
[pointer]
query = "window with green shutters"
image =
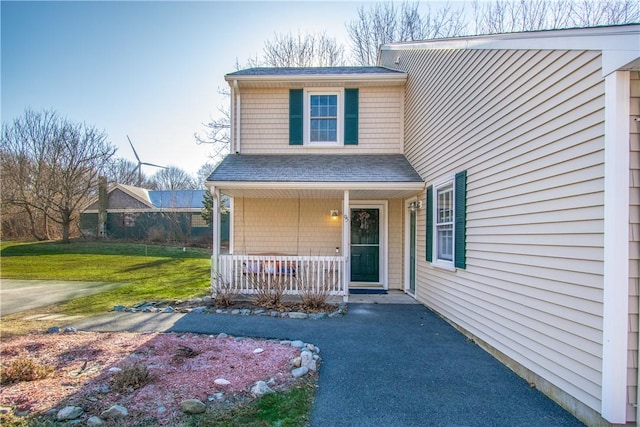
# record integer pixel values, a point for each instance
(323, 117)
(446, 222)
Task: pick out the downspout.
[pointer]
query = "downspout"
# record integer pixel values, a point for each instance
(237, 133)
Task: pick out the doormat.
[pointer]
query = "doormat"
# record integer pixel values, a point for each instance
(368, 291)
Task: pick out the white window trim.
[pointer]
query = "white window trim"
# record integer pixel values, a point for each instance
(441, 263)
(340, 116)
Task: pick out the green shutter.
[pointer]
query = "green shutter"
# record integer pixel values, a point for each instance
(351, 116)
(296, 116)
(460, 241)
(429, 210)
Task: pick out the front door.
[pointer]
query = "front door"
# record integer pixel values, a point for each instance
(365, 245)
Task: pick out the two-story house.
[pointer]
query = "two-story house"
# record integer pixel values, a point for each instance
(493, 178)
(317, 173)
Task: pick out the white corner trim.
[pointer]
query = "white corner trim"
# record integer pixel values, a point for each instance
(616, 247)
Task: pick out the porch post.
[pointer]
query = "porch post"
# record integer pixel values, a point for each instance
(346, 245)
(215, 225)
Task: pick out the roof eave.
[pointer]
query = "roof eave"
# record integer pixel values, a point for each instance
(395, 77)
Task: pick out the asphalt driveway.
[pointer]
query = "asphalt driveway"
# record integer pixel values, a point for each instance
(23, 295)
(384, 365)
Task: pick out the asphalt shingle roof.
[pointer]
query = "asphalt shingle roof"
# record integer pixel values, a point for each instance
(297, 71)
(315, 168)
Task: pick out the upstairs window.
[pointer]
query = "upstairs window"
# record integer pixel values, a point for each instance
(323, 117)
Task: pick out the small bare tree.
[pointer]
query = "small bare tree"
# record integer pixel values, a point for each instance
(382, 23)
(504, 16)
(303, 50)
(172, 178)
(50, 167)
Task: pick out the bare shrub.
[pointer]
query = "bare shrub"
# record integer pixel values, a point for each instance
(130, 378)
(316, 285)
(183, 352)
(24, 369)
(270, 288)
(223, 291)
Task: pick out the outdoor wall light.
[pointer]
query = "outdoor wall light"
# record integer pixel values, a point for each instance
(334, 213)
(413, 206)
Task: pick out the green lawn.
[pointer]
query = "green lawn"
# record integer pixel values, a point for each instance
(149, 272)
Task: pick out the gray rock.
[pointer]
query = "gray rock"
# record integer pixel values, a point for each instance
(119, 308)
(300, 372)
(219, 311)
(192, 406)
(258, 312)
(245, 312)
(298, 315)
(285, 342)
(116, 411)
(261, 388)
(219, 396)
(161, 410)
(311, 347)
(53, 330)
(316, 316)
(69, 413)
(235, 311)
(70, 330)
(222, 335)
(199, 310)
(168, 309)
(296, 362)
(102, 388)
(222, 382)
(297, 344)
(308, 360)
(95, 421)
(7, 410)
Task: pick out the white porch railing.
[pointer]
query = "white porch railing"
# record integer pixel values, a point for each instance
(243, 274)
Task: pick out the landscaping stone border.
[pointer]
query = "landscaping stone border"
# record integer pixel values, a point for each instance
(204, 306)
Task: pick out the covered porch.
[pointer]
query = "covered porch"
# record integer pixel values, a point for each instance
(311, 223)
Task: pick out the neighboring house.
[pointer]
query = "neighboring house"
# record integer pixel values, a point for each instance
(494, 178)
(140, 214)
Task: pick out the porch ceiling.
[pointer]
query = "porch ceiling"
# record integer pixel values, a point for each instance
(316, 176)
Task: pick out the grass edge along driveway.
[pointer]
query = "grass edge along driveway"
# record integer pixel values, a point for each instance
(149, 272)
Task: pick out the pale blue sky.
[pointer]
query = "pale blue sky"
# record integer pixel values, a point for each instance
(150, 70)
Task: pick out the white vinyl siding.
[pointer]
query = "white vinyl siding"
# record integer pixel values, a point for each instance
(265, 123)
(634, 245)
(528, 128)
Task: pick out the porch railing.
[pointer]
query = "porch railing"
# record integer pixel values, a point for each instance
(243, 274)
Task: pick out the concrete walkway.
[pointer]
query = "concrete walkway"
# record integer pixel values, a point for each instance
(22, 295)
(384, 365)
